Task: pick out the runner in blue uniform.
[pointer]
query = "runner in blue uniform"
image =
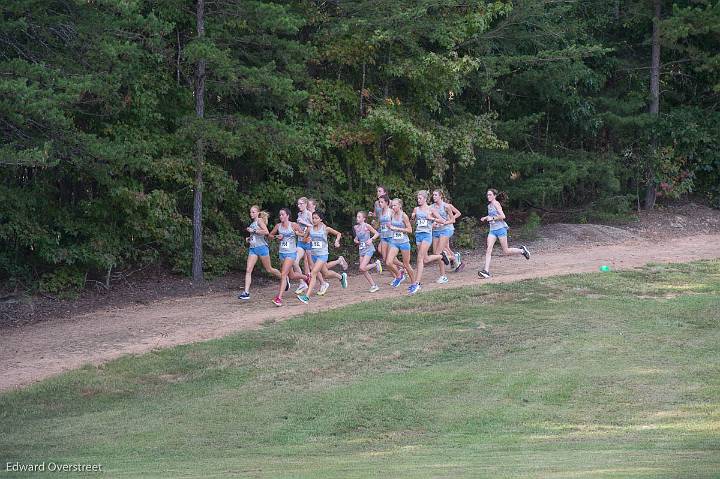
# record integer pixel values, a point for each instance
(364, 237)
(324, 285)
(443, 229)
(304, 221)
(258, 248)
(376, 213)
(424, 217)
(498, 231)
(452, 214)
(400, 227)
(286, 232)
(318, 235)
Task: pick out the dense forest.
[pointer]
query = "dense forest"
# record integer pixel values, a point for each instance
(124, 120)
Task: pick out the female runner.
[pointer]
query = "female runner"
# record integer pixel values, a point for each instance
(443, 229)
(364, 240)
(424, 216)
(498, 231)
(386, 234)
(258, 249)
(450, 211)
(286, 232)
(318, 235)
(400, 227)
(304, 221)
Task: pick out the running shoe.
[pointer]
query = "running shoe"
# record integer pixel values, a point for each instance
(402, 279)
(303, 298)
(244, 296)
(303, 286)
(445, 258)
(458, 259)
(414, 288)
(323, 288)
(343, 263)
(374, 288)
(484, 274)
(402, 275)
(525, 252)
(343, 279)
(460, 267)
(396, 282)
(378, 265)
(287, 283)
(277, 301)
(442, 280)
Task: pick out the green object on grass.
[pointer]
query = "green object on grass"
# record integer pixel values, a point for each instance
(604, 268)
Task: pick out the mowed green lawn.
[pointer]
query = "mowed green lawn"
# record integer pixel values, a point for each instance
(594, 375)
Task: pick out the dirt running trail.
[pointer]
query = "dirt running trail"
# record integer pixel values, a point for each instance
(37, 351)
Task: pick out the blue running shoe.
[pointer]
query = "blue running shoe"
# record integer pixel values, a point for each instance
(343, 280)
(414, 288)
(396, 282)
(244, 296)
(303, 298)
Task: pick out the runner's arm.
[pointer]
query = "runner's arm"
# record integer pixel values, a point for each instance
(375, 233)
(262, 228)
(337, 234)
(454, 212)
(271, 235)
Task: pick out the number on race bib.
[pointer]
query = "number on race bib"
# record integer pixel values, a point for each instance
(285, 244)
(317, 244)
(363, 244)
(398, 235)
(422, 223)
(383, 228)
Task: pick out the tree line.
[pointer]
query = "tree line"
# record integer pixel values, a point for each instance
(138, 132)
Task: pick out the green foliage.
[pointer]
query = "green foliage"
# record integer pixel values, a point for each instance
(466, 232)
(613, 209)
(545, 100)
(535, 180)
(64, 282)
(529, 230)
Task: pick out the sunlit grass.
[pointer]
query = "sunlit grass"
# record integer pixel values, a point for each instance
(598, 375)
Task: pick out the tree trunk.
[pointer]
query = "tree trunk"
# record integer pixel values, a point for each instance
(362, 92)
(651, 192)
(197, 261)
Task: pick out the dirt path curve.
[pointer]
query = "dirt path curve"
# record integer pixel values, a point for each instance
(40, 350)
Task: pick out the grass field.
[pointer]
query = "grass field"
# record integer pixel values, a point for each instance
(597, 375)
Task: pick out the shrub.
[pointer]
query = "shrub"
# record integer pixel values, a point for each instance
(466, 231)
(529, 231)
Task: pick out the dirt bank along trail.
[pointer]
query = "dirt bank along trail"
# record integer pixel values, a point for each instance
(36, 351)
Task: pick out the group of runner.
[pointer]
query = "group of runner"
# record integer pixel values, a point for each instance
(304, 243)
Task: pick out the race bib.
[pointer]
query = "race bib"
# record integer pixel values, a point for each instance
(285, 244)
(317, 244)
(384, 228)
(363, 244)
(398, 235)
(422, 223)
